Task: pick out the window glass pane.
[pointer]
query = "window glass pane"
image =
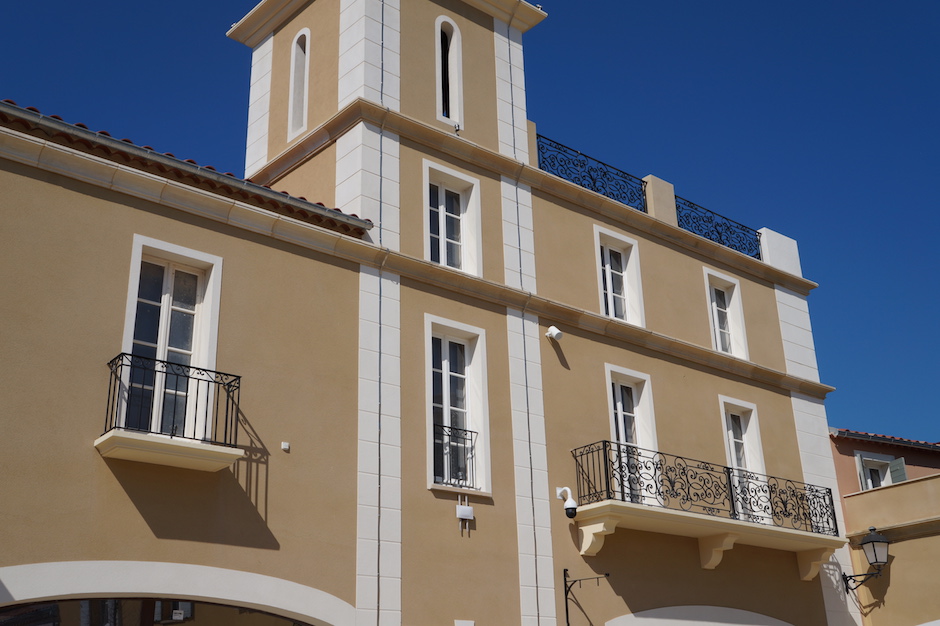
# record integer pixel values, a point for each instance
(616, 262)
(147, 322)
(720, 299)
(453, 228)
(456, 356)
(458, 392)
(458, 420)
(139, 408)
(616, 282)
(181, 330)
(174, 413)
(437, 391)
(151, 281)
(436, 360)
(184, 290)
(453, 254)
(451, 202)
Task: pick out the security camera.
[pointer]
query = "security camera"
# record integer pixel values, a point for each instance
(554, 333)
(571, 507)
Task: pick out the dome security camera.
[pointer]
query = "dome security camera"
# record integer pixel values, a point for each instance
(571, 507)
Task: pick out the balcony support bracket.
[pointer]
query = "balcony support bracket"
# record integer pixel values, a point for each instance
(810, 560)
(592, 535)
(712, 548)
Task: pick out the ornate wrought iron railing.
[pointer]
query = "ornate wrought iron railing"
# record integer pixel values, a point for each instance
(607, 180)
(613, 471)
(454, 457)
(717, 228)
(153, 396)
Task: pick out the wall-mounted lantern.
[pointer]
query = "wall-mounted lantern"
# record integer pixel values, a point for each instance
(875, 547)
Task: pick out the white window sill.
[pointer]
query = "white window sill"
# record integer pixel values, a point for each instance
(161, 449)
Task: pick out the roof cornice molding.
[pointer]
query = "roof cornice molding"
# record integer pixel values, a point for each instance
(49, 143)
(269, 15)
(263, 20)
(453, 145)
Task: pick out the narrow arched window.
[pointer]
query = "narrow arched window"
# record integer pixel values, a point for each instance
(299, 70)
(449, 81)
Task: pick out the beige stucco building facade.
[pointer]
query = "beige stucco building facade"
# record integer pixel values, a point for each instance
(225, 404)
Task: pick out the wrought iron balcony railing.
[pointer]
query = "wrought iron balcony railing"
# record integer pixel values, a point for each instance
(454, 457)
(153, 396)
(613, 471)
(717, 228)
(607, 180)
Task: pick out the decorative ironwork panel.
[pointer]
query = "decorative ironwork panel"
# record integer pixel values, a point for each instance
(454, 456)
(717, 228)
(614, 471)
(580, 169)
(174, 399)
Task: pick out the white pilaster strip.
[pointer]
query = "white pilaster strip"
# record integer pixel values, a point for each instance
(367, 180)
(809, 415)
(518, 237)
(378, 523)
(533, 519)
(370, 52)
(510, 92)
(259, 104)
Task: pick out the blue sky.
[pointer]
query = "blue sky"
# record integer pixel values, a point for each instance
(816, 119)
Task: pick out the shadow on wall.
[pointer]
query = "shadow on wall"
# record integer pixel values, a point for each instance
(225, 507)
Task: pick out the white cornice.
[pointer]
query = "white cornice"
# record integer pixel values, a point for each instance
(268, 16)
(263, 20)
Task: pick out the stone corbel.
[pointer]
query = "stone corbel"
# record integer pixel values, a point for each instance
(810, 560)
(712, 548)
(592, 535)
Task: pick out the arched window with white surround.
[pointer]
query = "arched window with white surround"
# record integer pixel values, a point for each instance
(299, 75)
(449, 71)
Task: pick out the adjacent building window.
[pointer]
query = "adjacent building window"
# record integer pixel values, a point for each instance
(299, 73)
(619, 276)
(171, 332)
(449, 71)
(878, 470)
(458, 422)
(452, 218)
(726, 314)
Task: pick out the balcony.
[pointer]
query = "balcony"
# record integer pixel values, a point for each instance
(628, 487)
(170, 414)
(455, 457)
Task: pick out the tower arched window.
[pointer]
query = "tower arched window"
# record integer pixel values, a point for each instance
(449, 72)
(299, 73)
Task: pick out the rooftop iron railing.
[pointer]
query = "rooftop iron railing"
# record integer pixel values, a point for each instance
(613, 471)
(161, 397)
(717, 228)
(607, 180)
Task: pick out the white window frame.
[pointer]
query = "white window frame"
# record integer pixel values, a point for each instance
(645, 418)
(470, 225)
(633, 291)
(205, 331)
(474, 339)
(753, 448)
(881, 463)
(455, 65)
(299, 94)
(644, 422)
(735, 308)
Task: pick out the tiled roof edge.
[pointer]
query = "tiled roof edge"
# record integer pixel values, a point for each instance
(896, 441)
(53, 126)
